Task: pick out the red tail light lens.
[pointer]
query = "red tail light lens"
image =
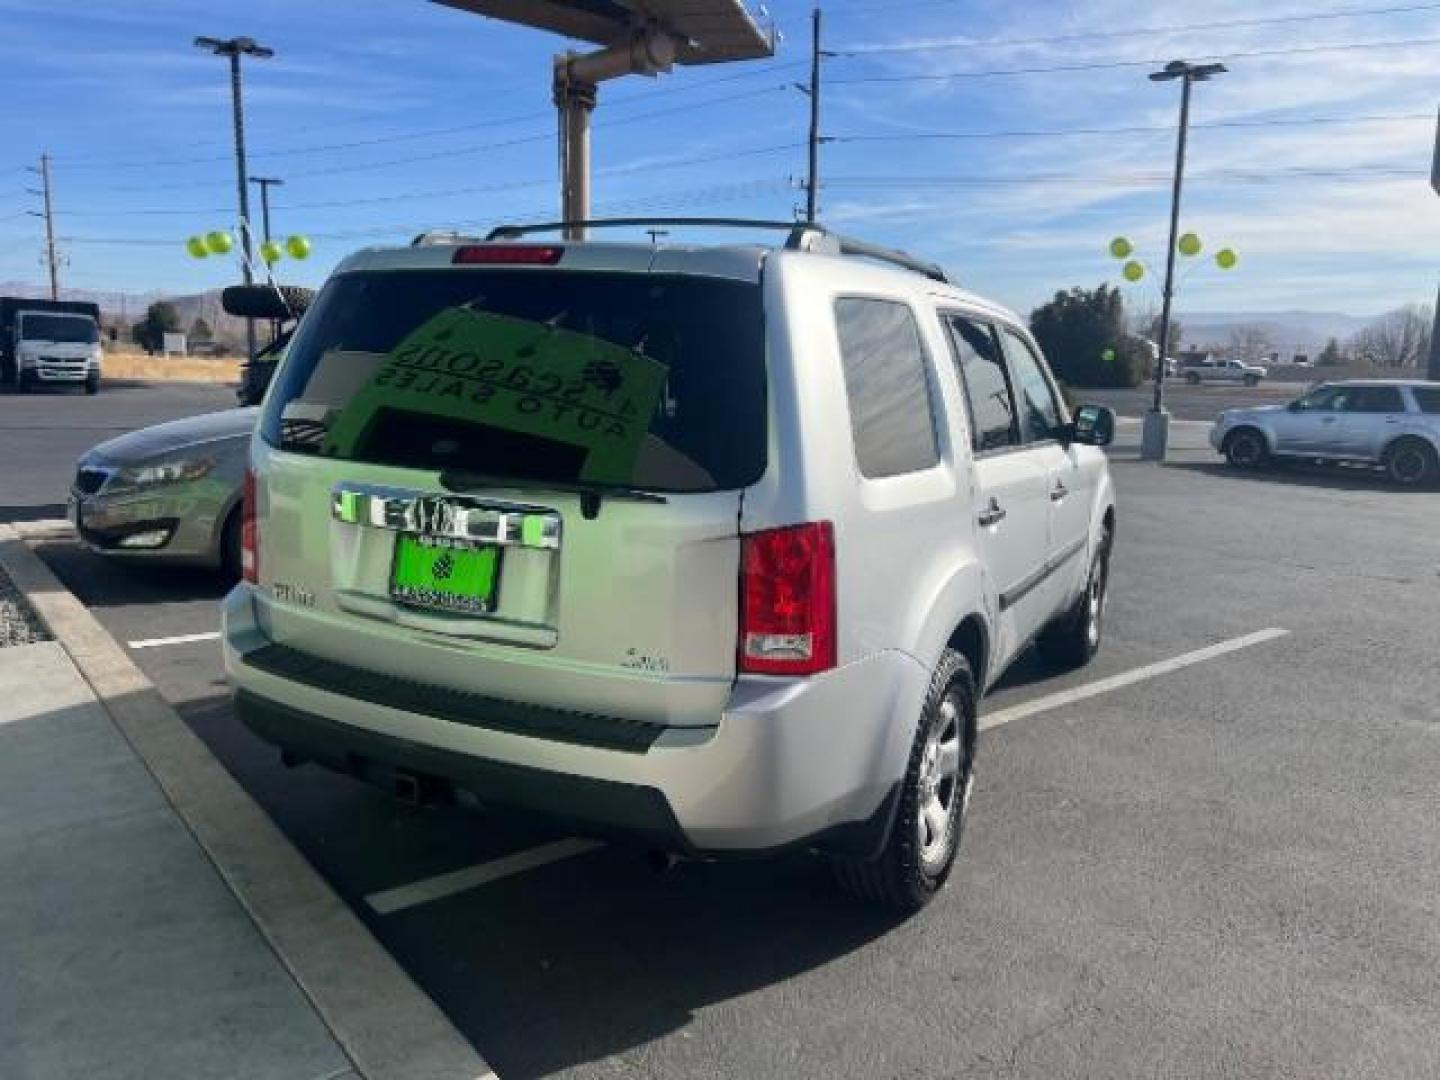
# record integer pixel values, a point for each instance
(249, 531)
(787, 600)
(507, 255)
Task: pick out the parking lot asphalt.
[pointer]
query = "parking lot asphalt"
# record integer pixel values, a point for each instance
(1186, 402)
(1220, 869)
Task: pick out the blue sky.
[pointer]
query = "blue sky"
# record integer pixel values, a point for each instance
(388, 116)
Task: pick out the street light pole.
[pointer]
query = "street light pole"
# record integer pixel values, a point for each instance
(265, 183)
(1155, 436)
(233, 49)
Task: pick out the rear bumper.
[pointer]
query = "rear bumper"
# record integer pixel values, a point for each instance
(788, 762)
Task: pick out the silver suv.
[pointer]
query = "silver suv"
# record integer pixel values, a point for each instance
(1394, 424)
(715, 548)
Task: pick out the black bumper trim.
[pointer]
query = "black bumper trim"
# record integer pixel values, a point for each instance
(580, 804)
(455, 706)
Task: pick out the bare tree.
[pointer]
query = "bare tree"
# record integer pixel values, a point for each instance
(1397, 339)
(1249, 342)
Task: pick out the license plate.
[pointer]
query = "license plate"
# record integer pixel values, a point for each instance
(445, 575)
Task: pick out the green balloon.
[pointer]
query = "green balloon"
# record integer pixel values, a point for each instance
(1133, 271)
(1226, 259)
(298, 247)
(1121, 248)
(196, 247)
(219, 242)
(271, 251)
(1189, 244)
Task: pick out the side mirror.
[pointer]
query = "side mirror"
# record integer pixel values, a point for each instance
(1094, 425)
(1294, 406)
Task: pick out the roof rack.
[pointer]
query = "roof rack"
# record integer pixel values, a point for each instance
(802, 236)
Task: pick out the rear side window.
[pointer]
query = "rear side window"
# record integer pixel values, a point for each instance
(1376, 399)
(628, 380)
(1428, 398)
(890, 415)
(993, 424)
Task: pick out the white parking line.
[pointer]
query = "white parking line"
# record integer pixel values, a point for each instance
(179, 639)
(389, 901)
(1127, 678)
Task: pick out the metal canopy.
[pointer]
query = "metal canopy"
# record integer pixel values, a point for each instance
(707, 31)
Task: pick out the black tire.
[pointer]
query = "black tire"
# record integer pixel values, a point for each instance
(282, 302)
(1192, 378)
(909, 872)
(1072, 640)
(92, 386)
(1411, 462)
(22, 383)
(1245, 448)
(1252, 380)
(230, 546)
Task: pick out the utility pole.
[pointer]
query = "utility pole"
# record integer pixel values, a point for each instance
(264, 183)
(233, 49)
(1155, 434)
(1434, 372)
(52, 257)
(812, 182)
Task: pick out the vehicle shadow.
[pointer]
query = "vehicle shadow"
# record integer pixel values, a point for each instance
(568, 964)
(102, 582)
(1299, 474)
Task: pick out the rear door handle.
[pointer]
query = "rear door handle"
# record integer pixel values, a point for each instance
(992, 514)
(1058, 492)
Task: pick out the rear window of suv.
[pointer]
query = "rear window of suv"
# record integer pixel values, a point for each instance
(1427, 398)
(633, 380)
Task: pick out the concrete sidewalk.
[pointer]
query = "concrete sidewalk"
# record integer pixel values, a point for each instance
(122, 951)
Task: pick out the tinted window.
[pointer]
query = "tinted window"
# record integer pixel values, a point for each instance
(1428, 398)
(987, 385)
(71, 329)
(640, 380)
(1376, 399)
(1039, 407)
(890, 416)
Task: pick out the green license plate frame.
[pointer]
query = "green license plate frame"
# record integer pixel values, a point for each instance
(440, 573)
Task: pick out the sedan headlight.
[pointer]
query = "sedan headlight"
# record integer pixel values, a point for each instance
(165, 472)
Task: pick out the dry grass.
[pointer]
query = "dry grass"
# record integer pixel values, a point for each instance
(122, 365)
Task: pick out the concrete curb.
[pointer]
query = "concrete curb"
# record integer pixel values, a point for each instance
(382, 1020)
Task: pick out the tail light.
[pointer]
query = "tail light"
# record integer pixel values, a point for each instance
(249, 531)
(507, 255)
(787, 600)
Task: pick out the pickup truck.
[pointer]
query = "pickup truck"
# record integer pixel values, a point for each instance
(1222, 371)
(49, 341)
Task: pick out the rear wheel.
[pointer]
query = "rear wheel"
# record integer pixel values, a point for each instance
(1252, 380)
(1411, 462)
(934, 795)
(1192, 378)
(1245, 448)
(1073, 640)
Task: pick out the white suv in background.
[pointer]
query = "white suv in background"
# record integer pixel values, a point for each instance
(1394, 424)
(714, 548)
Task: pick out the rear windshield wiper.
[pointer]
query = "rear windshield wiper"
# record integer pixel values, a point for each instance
(466, 481)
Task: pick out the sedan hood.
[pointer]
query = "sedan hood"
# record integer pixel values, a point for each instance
(177, 435)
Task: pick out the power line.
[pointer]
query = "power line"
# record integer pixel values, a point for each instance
(1228, 175)
(1114, 64)
(1146, 31)
(1055, 133)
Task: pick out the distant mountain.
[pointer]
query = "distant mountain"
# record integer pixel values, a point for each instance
(1299, 331)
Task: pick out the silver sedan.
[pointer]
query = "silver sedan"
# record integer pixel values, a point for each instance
(169, 492)
(1393, 424)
